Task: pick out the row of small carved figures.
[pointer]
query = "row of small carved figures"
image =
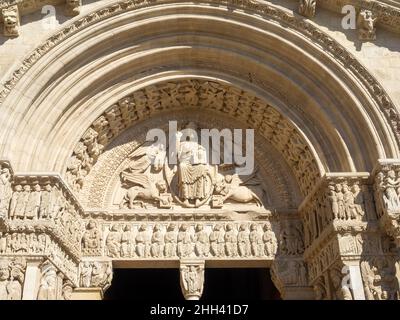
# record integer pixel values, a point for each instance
(219, 243)
(33, 203)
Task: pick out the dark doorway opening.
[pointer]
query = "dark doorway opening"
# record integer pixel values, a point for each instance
(220, 284)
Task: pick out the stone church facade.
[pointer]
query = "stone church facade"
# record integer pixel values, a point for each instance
(80, 196)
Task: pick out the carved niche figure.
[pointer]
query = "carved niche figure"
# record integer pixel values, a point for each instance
(340, 291)
(332, 197)
(33, 203)
(142, 242)
(257, 245)
(307, 8)
(366, 25)
(230, 241)
(91, 239)
(11, 21)
(157, 242)
(193, 170)
(390, 186)
(244, 241)
(5, 190)
(127, 242)
(14, 201)
(269, 239)
(22, 202)
(17, 276)
(292, 240)
(48, 282)
(217, 241)
(85, 274)
(47, 203)
(192, 281)
(202, 242)
(113, 242)
(170, 239)
(352, 210)
(184, 246)
(340, 201)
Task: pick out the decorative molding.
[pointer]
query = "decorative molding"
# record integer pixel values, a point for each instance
(308, 30)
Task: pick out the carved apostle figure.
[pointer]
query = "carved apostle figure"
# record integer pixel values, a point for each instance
(47, 289)
(192, 168)
(170, 239)
(5, 191)
(113, 242)
(257, 245)
(142, 242)
(91, 238)
(269, 239)
(157, 242)
(184, 241)
(340, 201)
(202, 242)
(11, 21)
(244, 241)
(14, 201)
(391, 197)
(217, 241)
(46, 204)
(33, 204)
(22, 202)
(127, 242)
(332, 198)
(230, 241)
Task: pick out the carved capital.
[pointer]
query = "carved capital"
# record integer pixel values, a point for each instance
(11, 21)
(12, 275)
(192, 278)
(95, 274)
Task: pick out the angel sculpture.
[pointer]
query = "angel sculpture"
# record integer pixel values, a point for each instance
(141, 175)
(234, 188)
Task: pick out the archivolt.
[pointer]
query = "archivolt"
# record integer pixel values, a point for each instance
(340, 111)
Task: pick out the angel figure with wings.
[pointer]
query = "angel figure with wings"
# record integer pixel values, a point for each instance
(234, 188)
(143, 175)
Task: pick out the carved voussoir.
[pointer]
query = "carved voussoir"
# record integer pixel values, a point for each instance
(11, 21)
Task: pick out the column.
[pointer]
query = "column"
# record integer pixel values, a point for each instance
(32, 279)
(192, 278)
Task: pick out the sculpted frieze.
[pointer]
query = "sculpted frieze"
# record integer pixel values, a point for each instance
(189, 240)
